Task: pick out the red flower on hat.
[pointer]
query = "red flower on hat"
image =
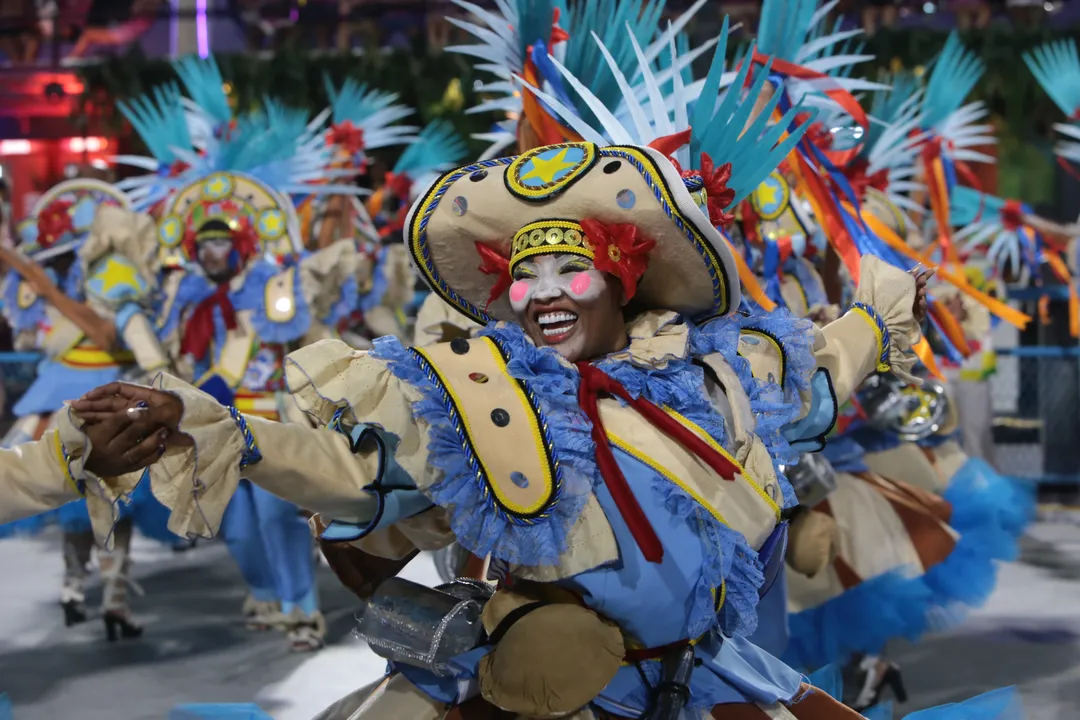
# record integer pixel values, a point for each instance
(719, 195)
(493, 263)
(347, 136)
(714, 180)
(53, 222)
(1012, 215)
(400, 184)
(619, 251)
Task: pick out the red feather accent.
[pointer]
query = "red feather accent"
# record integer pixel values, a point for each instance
(619, 252)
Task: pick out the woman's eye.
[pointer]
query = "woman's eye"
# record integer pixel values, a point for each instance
(572, 268)
(523, 275)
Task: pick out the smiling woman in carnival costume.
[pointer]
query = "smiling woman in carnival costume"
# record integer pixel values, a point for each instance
(81, 292)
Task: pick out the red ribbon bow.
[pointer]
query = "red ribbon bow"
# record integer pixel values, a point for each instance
(595, 382)
(53, 222)
(199, 331)
(347, 136)
(619, 251)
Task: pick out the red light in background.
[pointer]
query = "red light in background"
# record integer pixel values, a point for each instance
(88, 144)
(15, 147)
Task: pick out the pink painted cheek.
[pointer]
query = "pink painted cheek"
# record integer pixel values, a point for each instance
(518, 291)
(581, 283)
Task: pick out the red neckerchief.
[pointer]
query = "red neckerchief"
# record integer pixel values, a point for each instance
(199, 331)
(595, 382)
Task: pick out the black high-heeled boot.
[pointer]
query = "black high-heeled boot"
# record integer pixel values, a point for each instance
(74, 612)
(120, 626)
(875, 680)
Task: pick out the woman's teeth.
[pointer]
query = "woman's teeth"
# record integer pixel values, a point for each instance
(553, 324)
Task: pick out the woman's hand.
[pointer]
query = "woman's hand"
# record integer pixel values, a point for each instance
(129, 426)
(921, 278)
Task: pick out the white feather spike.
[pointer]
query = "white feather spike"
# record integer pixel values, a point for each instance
(571, 118)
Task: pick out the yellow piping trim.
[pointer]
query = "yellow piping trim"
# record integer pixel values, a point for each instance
(534, 428)
(778, 347)
(667, 474)
(58, 447)
(881, 367)
(720, 449)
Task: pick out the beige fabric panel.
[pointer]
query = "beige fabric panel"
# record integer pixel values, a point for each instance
(873, 539)
(32, 479)
(949, 457)
(142, 340)
(906, 463)
(735, 503)
(805, 593)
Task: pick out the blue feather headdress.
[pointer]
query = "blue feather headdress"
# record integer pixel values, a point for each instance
(519, 38)
(1056, 67)
(437, 149)
(720, 121)
(375, 113)
(953, 75)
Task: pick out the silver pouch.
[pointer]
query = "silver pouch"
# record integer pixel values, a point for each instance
(912, 412)
(413, 624)
(813, 478)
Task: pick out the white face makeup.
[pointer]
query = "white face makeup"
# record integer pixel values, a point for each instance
(546, 277)
(556, 297)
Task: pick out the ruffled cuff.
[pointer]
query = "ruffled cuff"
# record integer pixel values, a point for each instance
(885, 298)
(103, 495)
(197, 482)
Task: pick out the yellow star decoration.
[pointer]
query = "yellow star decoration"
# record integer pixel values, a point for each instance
(768, 196)
(117, 273)
(217, 186)
(546, 170)
(271, 223)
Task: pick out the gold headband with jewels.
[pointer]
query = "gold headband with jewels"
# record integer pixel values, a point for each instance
(548, 237)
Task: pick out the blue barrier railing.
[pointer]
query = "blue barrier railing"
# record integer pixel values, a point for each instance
(1040, 351)
(18, 358)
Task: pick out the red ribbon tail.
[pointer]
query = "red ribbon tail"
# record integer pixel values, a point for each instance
(594, 381)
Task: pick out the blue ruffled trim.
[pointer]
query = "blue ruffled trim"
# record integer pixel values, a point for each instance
(977, 492)
(1001, 704)
(895, 605)
(347, 301)
(772, 411)
(19, 319)
(379, 283)
(252, 296)
(192, 290)
(861, 620)
(727, 561)
(478, 523)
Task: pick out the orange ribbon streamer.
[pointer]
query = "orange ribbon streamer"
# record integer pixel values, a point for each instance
(1057, 265)
(926, 356)
(1010, 315)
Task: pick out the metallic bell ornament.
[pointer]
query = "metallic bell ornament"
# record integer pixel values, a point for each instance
(813, 478)
(450, 562)
(912, 412)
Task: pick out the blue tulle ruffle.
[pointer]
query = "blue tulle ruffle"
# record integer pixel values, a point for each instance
(252, 296)
(897, 604)
(981, 497)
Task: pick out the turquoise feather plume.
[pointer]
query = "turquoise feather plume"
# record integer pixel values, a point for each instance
(1056, 67)
(720, 121)
(158, 118)
(377, 112)
(437, 149)
(205, 86)
(953, 75)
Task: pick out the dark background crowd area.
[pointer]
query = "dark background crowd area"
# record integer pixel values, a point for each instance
(40, 31)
